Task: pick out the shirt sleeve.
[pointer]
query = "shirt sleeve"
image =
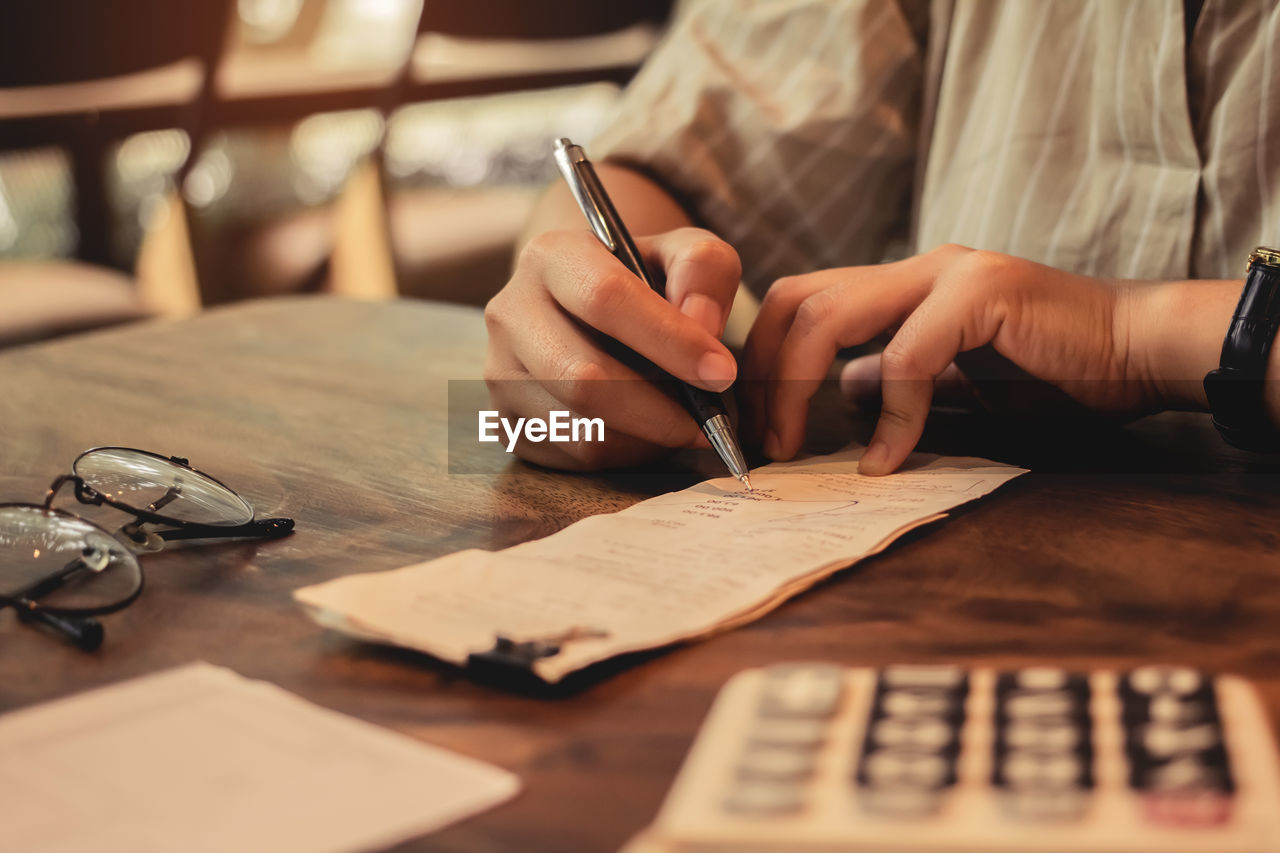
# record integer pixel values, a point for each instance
(788, 127)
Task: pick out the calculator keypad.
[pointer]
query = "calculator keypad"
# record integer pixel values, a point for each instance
(908, 755)
(793, 692)
(1042, 750)
(784, 739)
(1042, 760)
(1174, 742)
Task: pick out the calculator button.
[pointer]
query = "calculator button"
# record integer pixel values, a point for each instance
(797, 734)
(795, 690)
(1167, 694)
(1173, 710)
(895, 768)
(1165, 679)
(1164, 741)
(757, 798)
(1192, 771)
(931, 677)
(1056, 734)
(911, 703)
(1187, 808)
(1186, 775)
(926, 733)
(1028, 703)
(774, 763)
(1042, 678)
(1027, 769)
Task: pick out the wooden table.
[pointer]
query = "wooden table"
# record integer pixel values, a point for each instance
(1150, 543)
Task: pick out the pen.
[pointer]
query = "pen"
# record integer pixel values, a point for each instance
(706, 407)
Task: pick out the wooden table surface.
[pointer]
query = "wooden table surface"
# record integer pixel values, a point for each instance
(1154, 542)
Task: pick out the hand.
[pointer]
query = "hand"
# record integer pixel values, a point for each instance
(549, 347)
(1071, 331)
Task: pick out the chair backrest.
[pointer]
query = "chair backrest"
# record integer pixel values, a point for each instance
(474, 47)
(83, 73)
(523, 19)
(68, 41)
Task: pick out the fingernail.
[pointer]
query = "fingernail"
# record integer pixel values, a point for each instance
(771, 444)
(876, 460)
(703, 310)
(717, 371)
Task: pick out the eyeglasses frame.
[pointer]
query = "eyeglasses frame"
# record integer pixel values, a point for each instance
(77, 623)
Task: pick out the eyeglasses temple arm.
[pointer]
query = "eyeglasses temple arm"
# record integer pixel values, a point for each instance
(262, 528)
(84, 632)
(56, 580)
(56, 486)
(174, 492)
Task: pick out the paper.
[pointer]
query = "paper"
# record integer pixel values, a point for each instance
(670, 568)
(200, 759)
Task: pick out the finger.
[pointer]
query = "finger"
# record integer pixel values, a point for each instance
(860, 383)
(953, 388)
(786, 295)
(960, 314)
(605, 295)
(765, 337)
(777, 311)
(580, 376)
(702, 273)
(868, 301)
(860, 379)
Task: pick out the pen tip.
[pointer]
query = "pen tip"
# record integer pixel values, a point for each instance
(746, 481)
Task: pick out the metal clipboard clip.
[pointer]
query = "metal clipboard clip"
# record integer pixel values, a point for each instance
(508, 653)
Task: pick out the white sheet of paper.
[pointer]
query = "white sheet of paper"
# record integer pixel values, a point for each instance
(674, 567)
(199, 758)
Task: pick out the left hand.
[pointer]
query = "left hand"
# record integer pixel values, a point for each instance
(1068, 330)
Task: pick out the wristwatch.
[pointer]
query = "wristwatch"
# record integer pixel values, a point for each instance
(1235, 390)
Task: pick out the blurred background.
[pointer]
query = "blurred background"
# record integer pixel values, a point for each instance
(161, 157)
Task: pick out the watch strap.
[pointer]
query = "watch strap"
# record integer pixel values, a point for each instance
(1235, 390)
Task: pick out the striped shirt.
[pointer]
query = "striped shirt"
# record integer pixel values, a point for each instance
(1097, 136)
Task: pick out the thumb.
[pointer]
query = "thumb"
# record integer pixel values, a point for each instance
(702, 273)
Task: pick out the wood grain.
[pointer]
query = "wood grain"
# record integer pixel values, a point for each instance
(1152, 542)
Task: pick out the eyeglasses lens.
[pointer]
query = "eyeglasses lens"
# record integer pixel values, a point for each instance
(63, 562)
(153, 484)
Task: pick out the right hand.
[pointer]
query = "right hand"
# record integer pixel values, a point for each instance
(546, 349)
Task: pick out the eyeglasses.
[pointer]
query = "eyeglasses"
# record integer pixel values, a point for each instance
(59, 570)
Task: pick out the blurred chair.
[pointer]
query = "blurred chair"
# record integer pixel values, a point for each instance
(484, 46)
(305, 72)
(456, 244)
(82, 75)
(445, 49)
(88, 297)
(321, 66)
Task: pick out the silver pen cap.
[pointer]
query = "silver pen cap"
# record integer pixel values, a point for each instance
(570, 159)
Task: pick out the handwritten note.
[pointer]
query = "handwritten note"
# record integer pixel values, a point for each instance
(671, 568)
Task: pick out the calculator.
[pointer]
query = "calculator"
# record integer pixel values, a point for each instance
(809, 756)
